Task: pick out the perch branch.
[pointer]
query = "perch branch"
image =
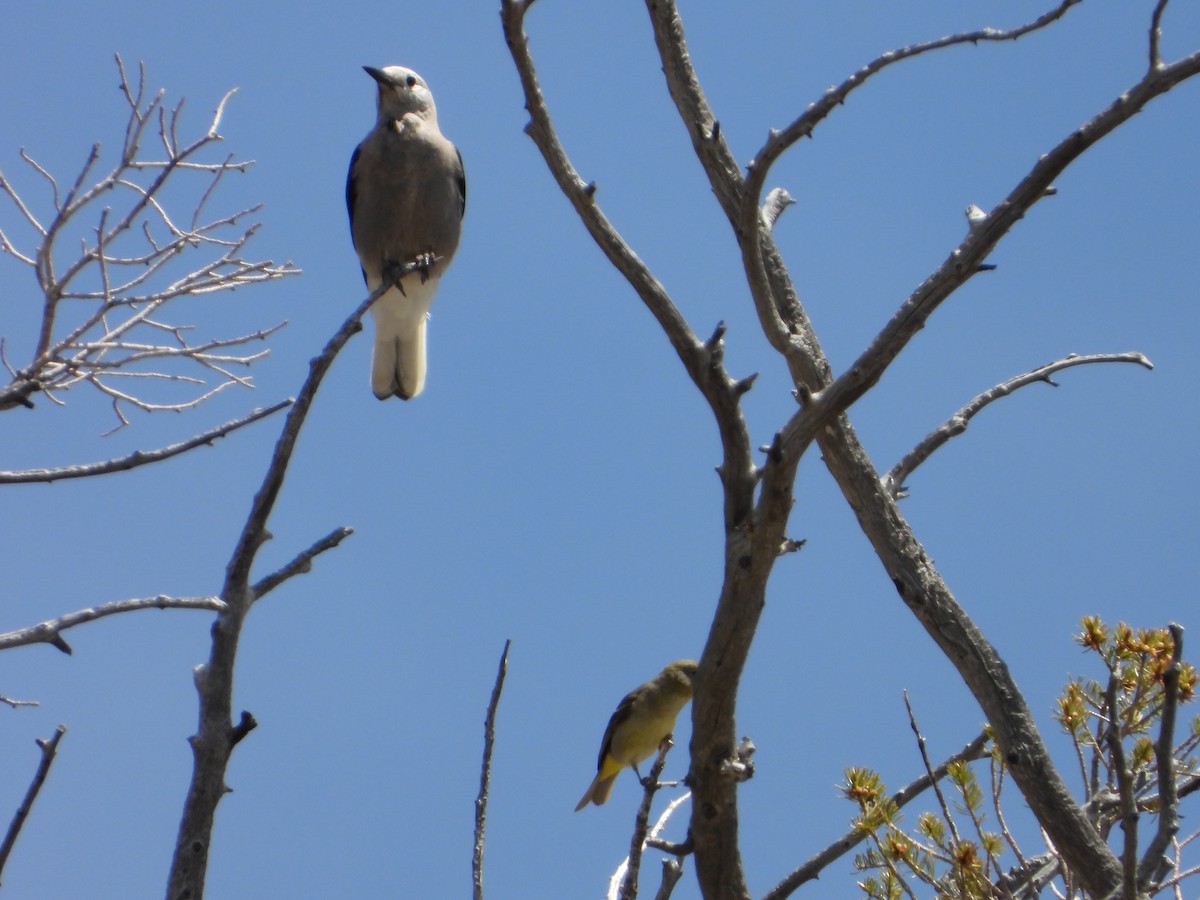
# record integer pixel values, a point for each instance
(650, 786)
(216, 735)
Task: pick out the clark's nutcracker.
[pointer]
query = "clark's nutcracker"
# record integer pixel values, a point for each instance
(406, 194)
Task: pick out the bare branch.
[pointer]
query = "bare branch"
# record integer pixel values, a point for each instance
(1128, 888)
(777, 201)
(918, 583)
(650, 785)
(264, 501)
(301, 565)
(894, 481)
(803, 126)
(779, 313)
(937, 790)
(214, 741)
(965, 260)
(37, 167)
(1155, 862)
(1156, 34)
(123, 292)
(672, 871)
(49, 750)
(7, 187)
(50, 631)
(485, 775)
(813, 867)
(138, 457)
(755, 528)
(17, 704)
(703, 362)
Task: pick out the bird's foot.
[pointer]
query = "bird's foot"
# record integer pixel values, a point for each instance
(393, 272)
(424, 263)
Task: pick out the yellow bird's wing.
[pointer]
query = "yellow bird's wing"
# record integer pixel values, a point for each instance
(623, 711)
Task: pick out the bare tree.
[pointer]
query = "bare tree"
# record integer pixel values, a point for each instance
(122, 334)
(118, 310)
(758, 498)
(116, 258)
(113, 317)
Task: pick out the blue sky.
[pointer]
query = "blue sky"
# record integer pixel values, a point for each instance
(554, 484)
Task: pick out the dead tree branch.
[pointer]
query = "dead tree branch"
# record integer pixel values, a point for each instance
(17, 704)
(50, 631)
(758, 501)
(49, 750)
(138, 457)
(894, 481)
(1155, 862)
(485, 775)
(217, 735)
(650, 786)
(302, 564)
(105, 301)
(917, 581)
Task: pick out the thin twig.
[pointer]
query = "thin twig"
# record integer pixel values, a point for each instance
(49, 749)
(803, 126)
(50, 631)
(964, 261)
(64, 356)
(485, 775)
(301, 564)
(1156, 34)
(812, 868)
(650, 784)
(937, 788)
(996, 772)
(138, 457)
(17, 704)
(675, 848)
(894, 481)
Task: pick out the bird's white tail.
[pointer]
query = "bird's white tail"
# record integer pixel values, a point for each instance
(398, 360)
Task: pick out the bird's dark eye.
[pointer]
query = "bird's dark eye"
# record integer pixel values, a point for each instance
(412, 80)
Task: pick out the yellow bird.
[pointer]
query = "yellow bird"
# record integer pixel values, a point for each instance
(642, 720)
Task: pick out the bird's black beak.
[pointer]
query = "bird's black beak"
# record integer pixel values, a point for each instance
(377, 74)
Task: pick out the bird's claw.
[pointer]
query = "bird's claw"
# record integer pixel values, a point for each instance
(424, 263)
(393, 273)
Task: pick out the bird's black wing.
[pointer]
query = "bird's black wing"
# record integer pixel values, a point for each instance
(352, 197)
(623, 711)
(351, 191)
(462, 184)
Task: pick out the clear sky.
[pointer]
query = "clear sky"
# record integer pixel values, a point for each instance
(554, 484)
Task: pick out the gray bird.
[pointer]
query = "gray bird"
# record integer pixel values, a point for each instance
(406, 194)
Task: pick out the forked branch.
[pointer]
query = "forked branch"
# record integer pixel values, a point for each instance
(217, 735)
(113, 279)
